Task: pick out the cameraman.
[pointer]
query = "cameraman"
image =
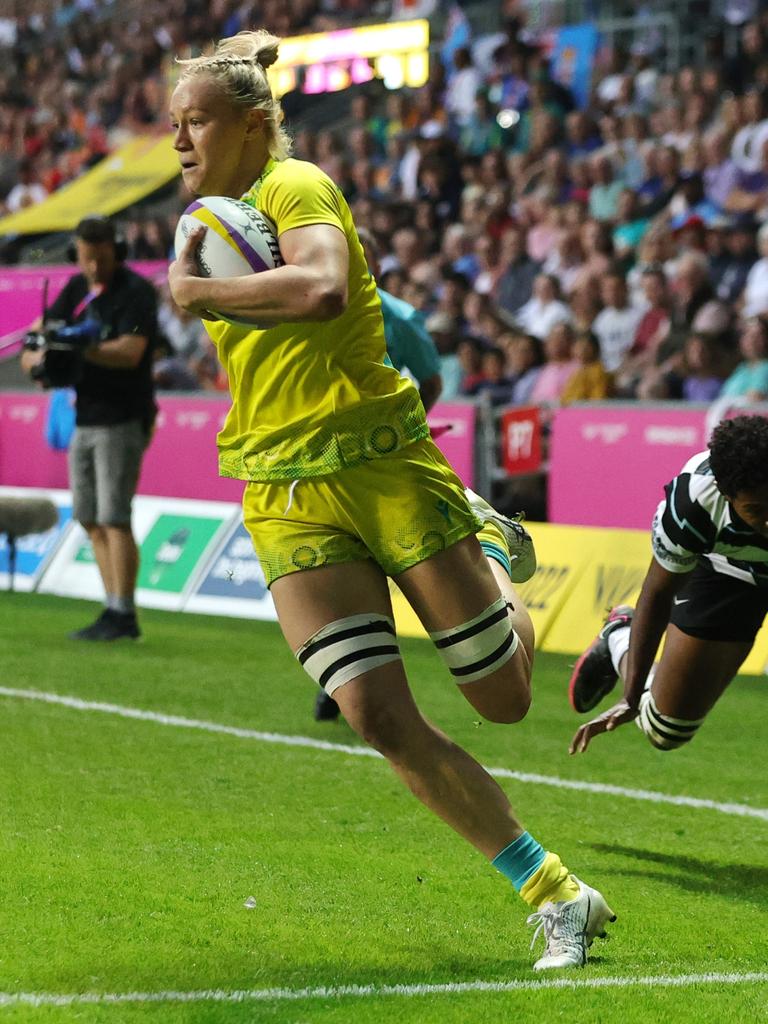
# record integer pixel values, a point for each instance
(115, 407)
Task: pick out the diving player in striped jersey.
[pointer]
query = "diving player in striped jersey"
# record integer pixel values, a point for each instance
(707, 587)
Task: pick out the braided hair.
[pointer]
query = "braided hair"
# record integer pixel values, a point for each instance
(239, 64)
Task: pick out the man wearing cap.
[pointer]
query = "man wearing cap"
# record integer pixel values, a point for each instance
(730, 267)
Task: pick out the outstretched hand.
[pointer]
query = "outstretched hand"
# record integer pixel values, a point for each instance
(609, 720)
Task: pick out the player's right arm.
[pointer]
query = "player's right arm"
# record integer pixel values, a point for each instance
(311, 286)
(650, 620)
(678, 538)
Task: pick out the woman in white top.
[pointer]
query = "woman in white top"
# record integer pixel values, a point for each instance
(544, 309)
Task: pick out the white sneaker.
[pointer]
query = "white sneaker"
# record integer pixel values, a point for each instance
(522, 556)
(570, 927)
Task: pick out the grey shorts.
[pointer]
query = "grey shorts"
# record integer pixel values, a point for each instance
(104, 466)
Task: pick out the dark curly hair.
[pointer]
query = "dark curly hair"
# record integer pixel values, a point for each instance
(738, 454)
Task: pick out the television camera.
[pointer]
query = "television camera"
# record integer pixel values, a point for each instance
(63, 346)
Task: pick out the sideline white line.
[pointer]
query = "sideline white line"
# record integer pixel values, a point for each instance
(268, 995)
(649, 795)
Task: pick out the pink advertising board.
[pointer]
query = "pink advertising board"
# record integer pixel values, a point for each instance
(181, 461)
(457, 443)
(21, 291)
(608, 464)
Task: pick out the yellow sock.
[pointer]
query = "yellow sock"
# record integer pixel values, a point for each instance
(552, 882)
(494, 544)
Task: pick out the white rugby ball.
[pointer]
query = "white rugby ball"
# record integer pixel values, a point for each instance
(240, 240)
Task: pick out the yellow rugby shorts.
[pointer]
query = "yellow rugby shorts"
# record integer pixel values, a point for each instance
(397, 510)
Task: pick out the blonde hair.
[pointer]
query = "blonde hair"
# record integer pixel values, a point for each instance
(239, 64)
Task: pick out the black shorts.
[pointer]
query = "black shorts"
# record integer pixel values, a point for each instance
(713, 606)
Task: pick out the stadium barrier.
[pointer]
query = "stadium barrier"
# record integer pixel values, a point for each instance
(196, 556)
(22, 290)
(609, 461)
(606, 462)
(181, 461)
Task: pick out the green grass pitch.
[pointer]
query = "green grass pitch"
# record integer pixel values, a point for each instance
(128, 848)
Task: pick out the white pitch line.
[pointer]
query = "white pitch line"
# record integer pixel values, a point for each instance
(648, 795)
(269, 995)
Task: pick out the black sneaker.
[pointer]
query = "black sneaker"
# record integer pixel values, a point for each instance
(121, 626)
(110, 625)
(94, 631)
(326, 708)
(593, 674)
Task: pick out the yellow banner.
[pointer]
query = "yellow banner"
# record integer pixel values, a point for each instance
(609, 567)
(563, 553)
(562, 556)
(406, 620)
(140, 167)
(583, 571)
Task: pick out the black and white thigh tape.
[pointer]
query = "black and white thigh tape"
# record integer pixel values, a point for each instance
(663, 732)
(478, 647)
(347, 648)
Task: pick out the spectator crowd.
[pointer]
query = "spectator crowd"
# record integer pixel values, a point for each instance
(557, 253)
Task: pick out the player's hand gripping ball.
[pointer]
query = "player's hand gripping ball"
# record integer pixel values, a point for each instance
(240, 240)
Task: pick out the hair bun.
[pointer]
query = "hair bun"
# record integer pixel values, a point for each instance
(259, 47)
(266, 55)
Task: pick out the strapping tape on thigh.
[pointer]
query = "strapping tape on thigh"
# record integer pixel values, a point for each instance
(347, 648)
(478, 647)
(664, 732)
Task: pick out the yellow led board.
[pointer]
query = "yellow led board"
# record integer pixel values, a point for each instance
(330, 61)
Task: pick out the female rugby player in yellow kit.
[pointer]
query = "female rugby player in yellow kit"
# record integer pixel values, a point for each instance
(345, 486)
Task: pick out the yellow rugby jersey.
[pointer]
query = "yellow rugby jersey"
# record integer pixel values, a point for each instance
(312, 398)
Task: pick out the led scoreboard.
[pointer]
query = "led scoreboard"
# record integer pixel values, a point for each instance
(397, 53)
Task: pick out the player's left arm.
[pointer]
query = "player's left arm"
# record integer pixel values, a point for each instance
(311, 286)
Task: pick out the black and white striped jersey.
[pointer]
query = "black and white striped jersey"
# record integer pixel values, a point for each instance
(696, 523)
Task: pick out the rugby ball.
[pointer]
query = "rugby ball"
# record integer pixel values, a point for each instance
(240, 240)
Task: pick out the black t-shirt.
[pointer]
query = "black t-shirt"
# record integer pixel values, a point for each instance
(108, 395)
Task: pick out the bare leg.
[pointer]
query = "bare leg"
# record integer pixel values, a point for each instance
(444, 777)
(124, 560)
(101, 552)
(693, 674)
(380, 708)
(504, 695)
(378, 704)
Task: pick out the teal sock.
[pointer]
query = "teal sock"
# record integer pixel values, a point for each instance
(520, 860)
(499, 554)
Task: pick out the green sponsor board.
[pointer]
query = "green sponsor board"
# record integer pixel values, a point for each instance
(85, 554)
(172, 549)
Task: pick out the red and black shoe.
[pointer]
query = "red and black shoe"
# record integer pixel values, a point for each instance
(593, 674)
